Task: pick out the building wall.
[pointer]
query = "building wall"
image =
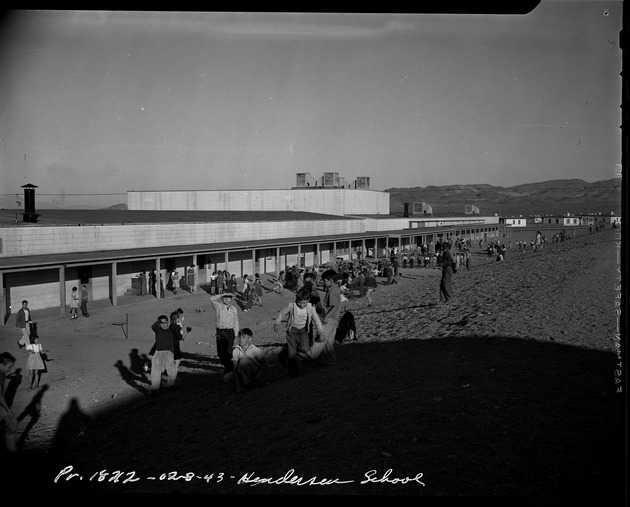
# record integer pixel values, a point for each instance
(391, 224)
(40, 288)
(334, 201)
(22, 241)
(516, 222)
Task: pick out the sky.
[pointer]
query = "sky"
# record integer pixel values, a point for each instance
(97, 103)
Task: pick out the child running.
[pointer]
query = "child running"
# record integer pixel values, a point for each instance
(298, 316)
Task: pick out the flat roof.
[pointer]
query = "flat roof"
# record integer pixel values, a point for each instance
(57, 217)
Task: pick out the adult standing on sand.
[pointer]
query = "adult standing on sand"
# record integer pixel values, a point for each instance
(446, 284)
(84, 300)
(23, 323)
(190, 281)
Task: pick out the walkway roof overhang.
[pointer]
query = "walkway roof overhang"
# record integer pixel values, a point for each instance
(133, 254)
(48, 261)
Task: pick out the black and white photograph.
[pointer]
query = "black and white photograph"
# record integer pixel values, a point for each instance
(287, 255)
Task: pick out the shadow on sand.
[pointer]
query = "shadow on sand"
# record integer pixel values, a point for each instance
(478, 416)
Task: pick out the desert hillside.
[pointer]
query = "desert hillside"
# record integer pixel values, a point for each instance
(543, 198)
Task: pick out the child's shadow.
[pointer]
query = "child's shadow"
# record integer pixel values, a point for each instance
(133, 379)
(32, 410)
(137, 362)
(15, 379)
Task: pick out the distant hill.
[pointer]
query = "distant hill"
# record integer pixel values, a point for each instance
(11, 203)
(543, 198)
(121, 206)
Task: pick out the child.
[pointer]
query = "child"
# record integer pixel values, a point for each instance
(174, 281)
(220, 282)
(299, 316)
(248, 362)
(214, 283)
(246, 286)
(370, 284)
(176, 328)
(231, 284)
(258, 289)
(35, 362)
(279, 283)
(248, 294)
(74, 303)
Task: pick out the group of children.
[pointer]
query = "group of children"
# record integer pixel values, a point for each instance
(252, 292)
(36, 365)
(309, 324)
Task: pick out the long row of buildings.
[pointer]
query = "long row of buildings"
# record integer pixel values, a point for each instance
(562, 221)
(241, 231)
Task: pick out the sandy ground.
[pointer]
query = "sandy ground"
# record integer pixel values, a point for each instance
(507, 393)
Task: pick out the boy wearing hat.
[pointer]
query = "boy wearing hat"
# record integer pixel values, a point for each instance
(163, 358)
(227, 327)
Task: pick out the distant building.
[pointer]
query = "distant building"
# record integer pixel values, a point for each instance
(471, 209)
(514, 222)
(561, 220)
(422, 208)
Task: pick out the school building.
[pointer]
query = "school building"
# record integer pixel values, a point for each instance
(241, 231)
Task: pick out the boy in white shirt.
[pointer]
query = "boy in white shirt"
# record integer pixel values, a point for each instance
(298, 316)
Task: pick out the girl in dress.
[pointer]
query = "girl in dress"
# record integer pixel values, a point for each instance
(35, 362)
(74, 303)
